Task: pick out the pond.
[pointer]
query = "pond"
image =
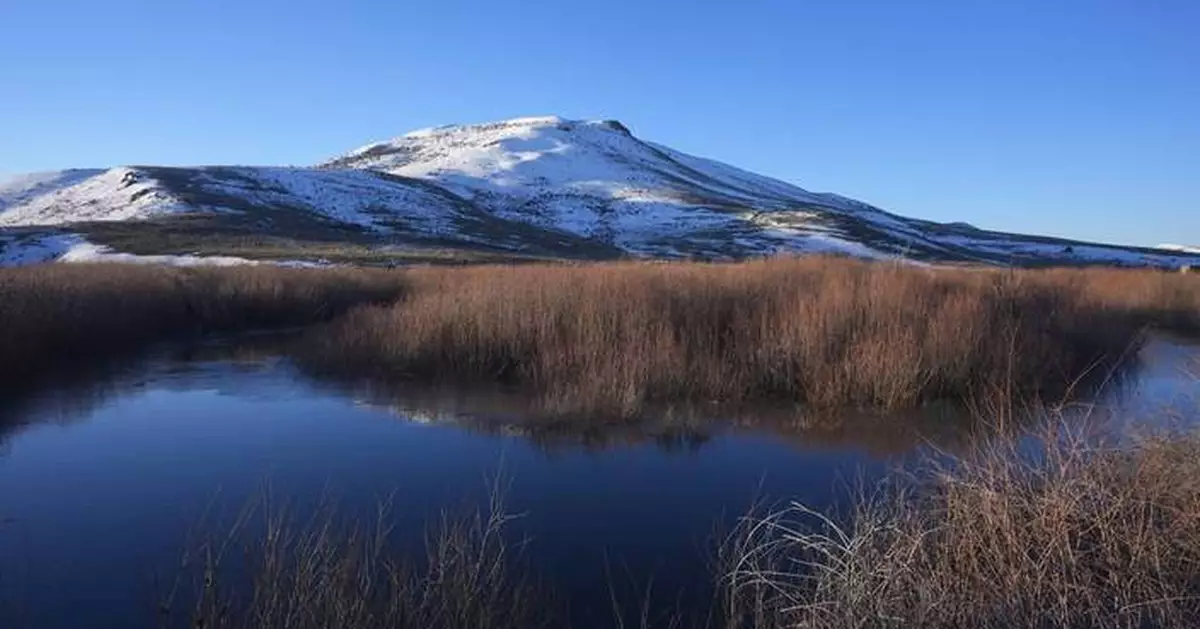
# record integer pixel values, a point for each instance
(103, 476)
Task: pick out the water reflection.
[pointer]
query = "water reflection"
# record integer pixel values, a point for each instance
(1160, 385)
(75, 391)
(259, 370)
(676, 428)
(107, 468)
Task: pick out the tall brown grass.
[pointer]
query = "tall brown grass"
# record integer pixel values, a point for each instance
(1166, 301)
(53, 315)
(1085, 536)
(613, 338)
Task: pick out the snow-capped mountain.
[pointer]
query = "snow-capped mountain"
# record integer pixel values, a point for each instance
(530, 186)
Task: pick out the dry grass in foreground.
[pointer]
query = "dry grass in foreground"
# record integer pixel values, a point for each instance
(277, 570)
(1087, 537)
(611, 339)
(1084, 537)
(56, 314)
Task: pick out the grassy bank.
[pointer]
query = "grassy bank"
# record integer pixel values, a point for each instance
(611, 339)
(53, 316)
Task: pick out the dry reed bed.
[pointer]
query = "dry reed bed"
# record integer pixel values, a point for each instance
(53, 315)
(1088, 537)
(610, 339)
(1085, 536)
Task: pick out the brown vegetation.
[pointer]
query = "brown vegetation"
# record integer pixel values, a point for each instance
(1087, 536)
(1167, 301)
(1081, 535)
(613, 338)
(56, 315)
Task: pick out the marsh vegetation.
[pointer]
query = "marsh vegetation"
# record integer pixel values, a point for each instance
(610, 339)
(1007, 521)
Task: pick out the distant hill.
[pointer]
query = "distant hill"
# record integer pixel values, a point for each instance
(524, 188)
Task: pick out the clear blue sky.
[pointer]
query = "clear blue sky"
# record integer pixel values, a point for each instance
(1068, 117)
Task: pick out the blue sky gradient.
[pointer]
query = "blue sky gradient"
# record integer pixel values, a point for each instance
(1075, 118)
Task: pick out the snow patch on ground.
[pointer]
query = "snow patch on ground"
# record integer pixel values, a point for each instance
(85, 252)
(23, 250)
(72, 248)
(795, 241)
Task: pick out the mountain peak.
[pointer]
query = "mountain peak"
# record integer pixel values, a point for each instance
(540, 146)
(515, 124)
(527, 121)
(474, 133)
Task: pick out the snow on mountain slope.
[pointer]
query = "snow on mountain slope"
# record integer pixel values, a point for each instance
(540, 186)
(595, 179)
(39, 248)
(87, 253)
(740, 182)
(120, 194)
(348, 196)
(69, 196)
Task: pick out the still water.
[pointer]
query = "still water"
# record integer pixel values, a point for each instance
(103, 477)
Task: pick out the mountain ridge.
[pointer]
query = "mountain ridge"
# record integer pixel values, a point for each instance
(541, 186)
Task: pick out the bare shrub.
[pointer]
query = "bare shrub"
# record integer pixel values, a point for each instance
(1079, 536)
